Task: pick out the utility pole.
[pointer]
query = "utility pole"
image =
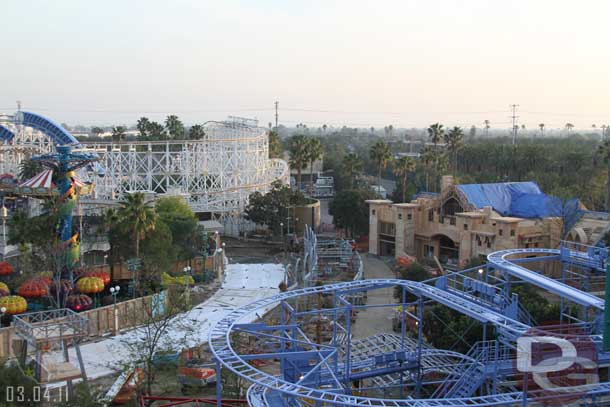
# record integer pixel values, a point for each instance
(277, 104)
(514, 117)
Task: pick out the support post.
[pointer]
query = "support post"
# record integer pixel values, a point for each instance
(606, 343)
(81, 364)
(64, 345)
(218, 383)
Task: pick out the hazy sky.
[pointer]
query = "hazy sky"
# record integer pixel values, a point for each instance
(359, 63)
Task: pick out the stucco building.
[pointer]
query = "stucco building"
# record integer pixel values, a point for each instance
(466, 221)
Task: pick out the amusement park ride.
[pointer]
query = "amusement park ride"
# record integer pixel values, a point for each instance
(402, 369)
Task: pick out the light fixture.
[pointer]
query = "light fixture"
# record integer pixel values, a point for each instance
(111, 290)
(480, 271)
(3, 310)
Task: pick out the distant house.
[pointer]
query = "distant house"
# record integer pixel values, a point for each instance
(473, 220)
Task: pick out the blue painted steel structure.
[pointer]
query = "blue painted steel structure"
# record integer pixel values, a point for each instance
(392, 364)
(6, 134)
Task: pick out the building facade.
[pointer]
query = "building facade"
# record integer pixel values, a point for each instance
(457, 224)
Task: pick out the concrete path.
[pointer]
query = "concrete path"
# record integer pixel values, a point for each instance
(375, 320)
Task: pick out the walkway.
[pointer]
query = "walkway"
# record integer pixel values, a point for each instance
(373, 321)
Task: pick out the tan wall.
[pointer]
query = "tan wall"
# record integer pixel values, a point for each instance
(307, 215)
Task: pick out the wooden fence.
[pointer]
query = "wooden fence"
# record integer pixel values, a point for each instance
(100, 321)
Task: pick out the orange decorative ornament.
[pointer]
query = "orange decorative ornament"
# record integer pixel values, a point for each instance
(14, 304)
(33, 288)
(90, 285)
(99, 274)
(5, 268)
(4, 287)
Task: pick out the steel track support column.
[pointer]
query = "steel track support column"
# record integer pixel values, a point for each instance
(564, 267)
(348, 342)
(420, 334)
(403, 333)
(606, 343)
(218, 383)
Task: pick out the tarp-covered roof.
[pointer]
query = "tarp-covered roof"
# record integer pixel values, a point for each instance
(519, 199)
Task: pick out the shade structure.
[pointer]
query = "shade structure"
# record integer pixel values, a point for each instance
(5, 268)
(42, 180)
(33, 288)
(14, 304)
(90, 285)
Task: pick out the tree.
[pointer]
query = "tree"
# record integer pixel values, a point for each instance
(143, 127)
(156, 132)
(436, 133)
(29, 168)
(402, 168)
(487, 127)
(350, 211)
(271, 209)
(324, 127)
(541, 127)
(604, 152)
(96, 131)
(182, 222)
(196, 132)
(174, 127)
(118, 133)
(352, 166)
(569, 127)
(139, 217)
(454, 141)
(275, 146)
(314, 153)
(380, 153)
(298, 155)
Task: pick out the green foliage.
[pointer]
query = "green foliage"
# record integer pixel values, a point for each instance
(351, 166)
(174, 127)
(158, 254)
(12, 378)
(29, 168)
(414, 272)
(275, 146)
(350, 211)
(380, 153)
(150, 131)
(447, 329)
(196, 132)
(182, 222)
(402, 168)
(298, 154)
(271, 209)
(118, 133)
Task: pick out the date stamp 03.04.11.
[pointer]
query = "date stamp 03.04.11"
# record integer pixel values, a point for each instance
(33, 394)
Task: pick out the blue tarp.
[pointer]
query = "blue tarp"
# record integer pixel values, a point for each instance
(499, 195)
(519, 199)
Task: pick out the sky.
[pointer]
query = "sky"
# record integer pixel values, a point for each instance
(357, 63)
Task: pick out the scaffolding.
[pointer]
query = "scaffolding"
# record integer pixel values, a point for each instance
(402, 369)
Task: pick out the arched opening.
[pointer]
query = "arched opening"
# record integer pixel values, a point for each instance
(448, 251)
(451, 206)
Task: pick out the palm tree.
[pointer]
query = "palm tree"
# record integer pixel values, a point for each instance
(604, 151)
(487, 127)
(118, 133)
(298, 155)
(138, 216)
(402, 168)
(352, 165)
(569, 127)
(436, 133)
(380, 153)
(314, 153)
(541, 126)
(455, 141)
(604, 129)
(29, 168)
(174, 127)
(324, 127)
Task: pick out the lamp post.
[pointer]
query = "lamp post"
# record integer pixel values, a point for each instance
(187, 292)
(2, 312)
(115, 292)
(282, 237)
(4, 216)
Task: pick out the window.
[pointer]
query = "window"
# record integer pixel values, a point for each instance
(500, 231)
(373, 211)
(488, 245)
(465, 226)
(452, 221)
(428, 251)
(388, 229)
(431, 215)
(512, 232)
(400, 216)
(409, 216)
